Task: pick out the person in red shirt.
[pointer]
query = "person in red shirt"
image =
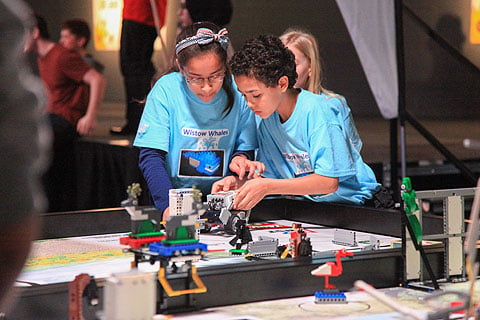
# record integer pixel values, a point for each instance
(136, 49)
(71, 107)
(75, 35)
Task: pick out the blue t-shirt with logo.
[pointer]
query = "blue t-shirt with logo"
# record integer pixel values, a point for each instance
(199, 137)
(317, 139)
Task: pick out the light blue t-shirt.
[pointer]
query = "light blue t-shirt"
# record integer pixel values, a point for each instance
(198, 137)
(316, 139)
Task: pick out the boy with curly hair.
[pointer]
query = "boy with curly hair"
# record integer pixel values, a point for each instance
(305, 149)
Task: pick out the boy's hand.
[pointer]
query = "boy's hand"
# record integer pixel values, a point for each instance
(240, 165)
(226, 184)
(251, 193)
(86, 125)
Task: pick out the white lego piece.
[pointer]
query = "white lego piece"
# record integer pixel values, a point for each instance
(130, 295)
(345, 238)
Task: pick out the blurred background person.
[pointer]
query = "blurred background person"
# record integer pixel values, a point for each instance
(24, 142)
(71, 108)
(216, 11)
(136, 49)
(75, 35)
(307, 59)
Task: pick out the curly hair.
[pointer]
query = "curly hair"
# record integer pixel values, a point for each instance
(266, 59)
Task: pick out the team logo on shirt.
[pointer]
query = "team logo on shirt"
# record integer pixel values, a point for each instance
(207, 160)
(207, 138)
(301, 162)
(201, 163)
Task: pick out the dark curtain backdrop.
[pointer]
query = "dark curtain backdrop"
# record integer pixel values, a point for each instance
(103, 173)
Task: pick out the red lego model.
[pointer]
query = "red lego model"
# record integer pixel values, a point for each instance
(332, 269)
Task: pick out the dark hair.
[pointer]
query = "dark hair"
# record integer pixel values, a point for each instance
(41, 25)
(79, 28)
(197, 49)
(266, 59)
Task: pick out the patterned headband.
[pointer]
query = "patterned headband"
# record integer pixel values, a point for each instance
(204, 36)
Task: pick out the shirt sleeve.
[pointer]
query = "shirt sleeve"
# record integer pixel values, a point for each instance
(152, 165)
(73, 66)
(247, 138)
(154, 129)
(330, 151)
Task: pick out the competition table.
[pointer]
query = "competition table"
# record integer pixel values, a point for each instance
(243, 281)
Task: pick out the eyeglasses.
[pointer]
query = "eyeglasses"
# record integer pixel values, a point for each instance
(216, 78)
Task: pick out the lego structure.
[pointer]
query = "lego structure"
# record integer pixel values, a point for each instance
(178, 245)
(322, 297)
(242, 236)
(83, 286)
(263, 247)
(130, 295)
(181, 201)
(219, 211)
(382, 269)
(145, 227)
(331, 269)
(445, 311)
(452, 234)
(345, 238)
(411, 207)
(298, 246)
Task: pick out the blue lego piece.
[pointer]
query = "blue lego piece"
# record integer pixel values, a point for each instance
(205, 162)
(186, 249)
(330, 297)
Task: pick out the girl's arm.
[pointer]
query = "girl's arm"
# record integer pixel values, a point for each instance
(152, 164)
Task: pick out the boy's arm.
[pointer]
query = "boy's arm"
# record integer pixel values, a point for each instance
(254, 190)
(97, 84)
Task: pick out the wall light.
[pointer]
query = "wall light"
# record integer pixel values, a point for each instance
(475, 22)
(107, 17)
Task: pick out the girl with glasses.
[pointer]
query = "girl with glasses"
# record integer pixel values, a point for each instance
(196, 125)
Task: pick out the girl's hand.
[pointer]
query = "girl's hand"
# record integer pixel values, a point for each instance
(166, 214)
(226, 184)
(241, 165)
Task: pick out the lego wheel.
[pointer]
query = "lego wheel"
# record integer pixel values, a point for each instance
(206, 229)
(231, 226)
(305, 248)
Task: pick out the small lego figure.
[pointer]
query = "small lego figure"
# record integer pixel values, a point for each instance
(299, 245)
(410, 206)
(243, 236)
(331, 269)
